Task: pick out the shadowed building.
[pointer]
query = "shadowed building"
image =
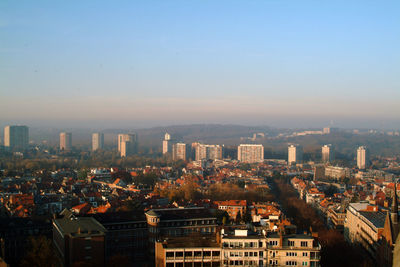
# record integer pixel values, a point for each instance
(97, 141)
(79, 240)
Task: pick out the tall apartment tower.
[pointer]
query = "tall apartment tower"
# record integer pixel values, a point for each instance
(207, 151)
(362, 157)
(250, 153)
(65, 141)
(127, 144)
(16, 137)
(167, 143)
(295, 154)
(97, 141)
(328, 153)
(179, 151)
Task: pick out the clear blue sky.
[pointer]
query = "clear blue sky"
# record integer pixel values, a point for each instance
(161, 62)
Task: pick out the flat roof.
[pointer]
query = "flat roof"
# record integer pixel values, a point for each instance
(79, 226)
(190, 242)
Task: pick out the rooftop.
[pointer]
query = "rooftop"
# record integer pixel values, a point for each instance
(193, 241)
(79, 226)
(181, 214)
(377, 218)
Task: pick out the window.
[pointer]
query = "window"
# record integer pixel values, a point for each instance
(179, 254)
(305, 254)
(273, 242)
(188, 254)
(291, 263)
(305, 263)
(291, 254)
(215, 253)
(169, 254)
(304, 244)
(291, 243)
(206, 253)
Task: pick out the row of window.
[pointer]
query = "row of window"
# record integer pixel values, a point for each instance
(206, 253)
(241, 253)
(242, 244)
(294, 263)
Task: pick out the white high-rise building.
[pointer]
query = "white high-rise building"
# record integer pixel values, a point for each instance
(295, 154)
(16, 137)
(328, 153)
(127, 144)
(250, 153)
(207, 151)
(65, 141)
(167, 143)
(362, 157)
(97, 141)
(179, 151)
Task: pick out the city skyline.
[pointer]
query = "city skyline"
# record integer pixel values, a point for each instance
(293, 63)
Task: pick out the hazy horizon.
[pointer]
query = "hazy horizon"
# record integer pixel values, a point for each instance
(291, 64)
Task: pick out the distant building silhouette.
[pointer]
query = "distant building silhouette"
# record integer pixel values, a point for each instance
(362, 157)
(328, 153)
(65, 141)
(97, 141)
(16, 137)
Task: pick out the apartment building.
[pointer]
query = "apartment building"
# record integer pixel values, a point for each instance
(364, 225)
(250, 153)
(16, 137)
(232, 207)
(240, 248)
(207, 152)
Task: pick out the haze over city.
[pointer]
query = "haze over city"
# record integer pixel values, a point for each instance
(150, 63)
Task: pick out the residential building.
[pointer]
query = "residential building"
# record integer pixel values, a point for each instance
(65, 141)
(127, 144)
(207, 152)
(179, 151)
(337, 172)
(188, 251)
(362, 157)
(16, 137)
(364, 225)
(167, 143)
(295, 154)
(292, 250)
(233, 207)
(167, 223)
(97, 141)
(250, 153)
(328, 153)
(241, 248)
(79, 240)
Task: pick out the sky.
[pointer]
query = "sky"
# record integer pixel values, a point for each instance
(148, 63)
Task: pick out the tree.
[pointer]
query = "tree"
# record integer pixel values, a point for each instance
(40, 253)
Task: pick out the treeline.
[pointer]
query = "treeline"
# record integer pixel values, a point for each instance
(190, 191)
(335, 250)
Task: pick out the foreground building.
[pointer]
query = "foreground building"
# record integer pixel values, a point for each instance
(16, 137)
(79, 240)
(241, 248)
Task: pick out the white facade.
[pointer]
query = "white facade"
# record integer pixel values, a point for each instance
(328, 153)
(362, 157)
(295, 154)
(16, 137)
(97, 141)
(250, 153)
(65, 141)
